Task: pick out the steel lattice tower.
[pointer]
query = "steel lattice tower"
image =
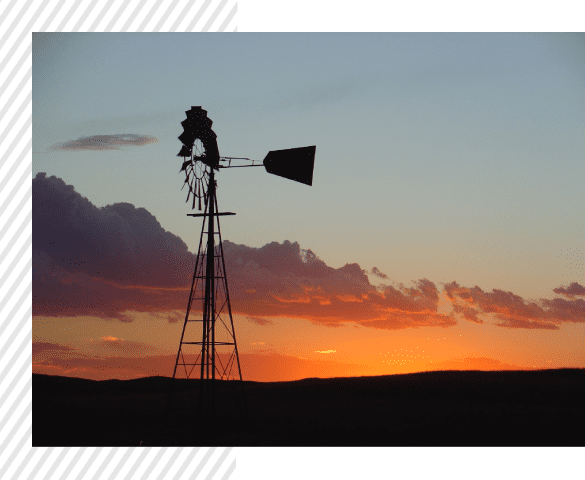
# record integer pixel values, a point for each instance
(208, 349)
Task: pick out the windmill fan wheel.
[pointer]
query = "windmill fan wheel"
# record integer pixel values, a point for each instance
(200, 154)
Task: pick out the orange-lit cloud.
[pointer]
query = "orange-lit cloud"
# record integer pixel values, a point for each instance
(292, 282)
(106, 262)
(513, 311)
(94, 353)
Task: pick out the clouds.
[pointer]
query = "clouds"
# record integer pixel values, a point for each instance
(259, 320)
(513, 311)
(571, 291)
(566, 310)
(105, 142)
(120, 243)
(109, 262)
(378, 273)
(101, 261)
(289, 281)
(41, 348)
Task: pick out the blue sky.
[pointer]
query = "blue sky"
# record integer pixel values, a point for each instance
(440, 156)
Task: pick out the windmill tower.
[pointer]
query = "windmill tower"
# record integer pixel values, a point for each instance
(208, 350)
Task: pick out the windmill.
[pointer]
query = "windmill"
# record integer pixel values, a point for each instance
(208, 349)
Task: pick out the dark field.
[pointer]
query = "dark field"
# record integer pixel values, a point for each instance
(451, 408)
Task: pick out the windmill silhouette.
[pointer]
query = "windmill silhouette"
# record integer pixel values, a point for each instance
(208, 349)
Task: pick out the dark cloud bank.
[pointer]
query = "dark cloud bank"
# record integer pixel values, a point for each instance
(106, 261)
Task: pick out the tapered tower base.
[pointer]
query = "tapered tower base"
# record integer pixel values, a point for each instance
(208, 352)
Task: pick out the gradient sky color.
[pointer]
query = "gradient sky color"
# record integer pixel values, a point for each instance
(446, 157)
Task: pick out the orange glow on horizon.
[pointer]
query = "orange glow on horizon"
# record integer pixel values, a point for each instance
(374, 334)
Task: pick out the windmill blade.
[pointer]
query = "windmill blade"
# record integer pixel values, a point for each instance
(186, 179)
(200, 190)
(185, 152)
(185, 164)
(190, 183)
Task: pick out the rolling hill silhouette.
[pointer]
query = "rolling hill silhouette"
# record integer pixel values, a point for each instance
(443, 408)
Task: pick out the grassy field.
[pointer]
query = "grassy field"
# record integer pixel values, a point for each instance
(450, 408)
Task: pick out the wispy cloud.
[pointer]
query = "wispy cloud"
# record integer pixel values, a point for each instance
(259, 320)
(105, 142)
(378, 273)
(41, 347)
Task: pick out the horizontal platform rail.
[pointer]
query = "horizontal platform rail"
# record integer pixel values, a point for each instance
(219, 214)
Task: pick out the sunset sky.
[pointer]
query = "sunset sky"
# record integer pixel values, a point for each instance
(444, 228)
